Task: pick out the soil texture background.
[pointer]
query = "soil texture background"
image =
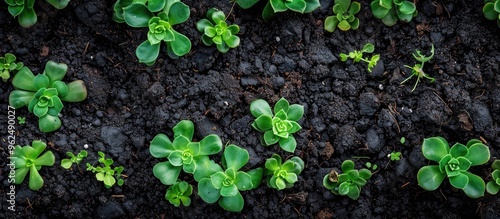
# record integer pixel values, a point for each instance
(349, 113)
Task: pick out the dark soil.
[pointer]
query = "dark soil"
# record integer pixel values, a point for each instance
(347, 109)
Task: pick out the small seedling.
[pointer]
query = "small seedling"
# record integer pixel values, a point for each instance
(8, 66)
(21, 120)
(74, 159)
(282, 175)
(277, 128)
(417, 69)
(402, 140)
(216, 30)
(394, 155)
(179, 193)
(357, 56)
(105, 173)
(371, 166)
(453, 163)
(347, 183)
(26, 159)
(344, 16)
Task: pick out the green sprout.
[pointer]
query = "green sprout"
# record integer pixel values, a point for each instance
(491, 10)
(394, 155)
(344, 16)
(21, 120)
(159, 17)
(216, 30)
(402, 140)
(74, 159)
(277, 128)
(357, 56)
(44, 93)
(417, 69)
(453, 163)
(282, 175)
(493, 186)
(8, 65)
(347, 183)
(390, 11)
(179, 193)
(371, 166)
(105, 173)
(27, 159)
(182, 153)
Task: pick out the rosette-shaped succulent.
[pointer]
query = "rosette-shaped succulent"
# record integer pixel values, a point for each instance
(27, 159)
(349, 182)
(7, 65)
(44, 93)
(280, 127)
(216, 30)
(282, 175)
(454, 163)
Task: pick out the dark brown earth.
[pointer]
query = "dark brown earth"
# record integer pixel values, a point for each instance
(356, 113)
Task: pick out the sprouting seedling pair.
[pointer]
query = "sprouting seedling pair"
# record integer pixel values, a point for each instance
(357, 56)
(417, 69)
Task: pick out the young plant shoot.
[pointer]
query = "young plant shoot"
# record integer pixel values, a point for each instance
(8, 66)
(179, 193)
(491, 10)
(493, 186)
(277, 128)
(216, 30)
(417, 69)
(24, 10)
(282, 175)
(27, 159)
(357, 56)
(105, 173)
(349, 182)
(453, 163)
(74, 159)
(275, 6)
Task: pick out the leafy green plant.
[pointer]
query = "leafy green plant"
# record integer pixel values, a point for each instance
(344, 16)
(27, 159)
(454, 163)
(105, 173)
(277, 128)
(216, 30)
(282, 175)
(182, 153)
(417, 69)
(8, 65)
(21, 120)
(275, 6)
(224, 186)
(390, 11)
(159, 16)
(394, 155)
(357, 56)
(493, 186)
(179, 193)
(23, 10)
(349, 182)
(491, 10)
(371, 166)
(44, 93)
(74, 159)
